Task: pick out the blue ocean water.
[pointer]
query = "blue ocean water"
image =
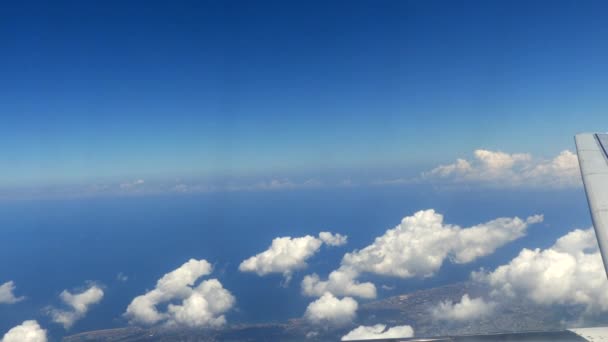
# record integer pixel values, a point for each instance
(47, 246)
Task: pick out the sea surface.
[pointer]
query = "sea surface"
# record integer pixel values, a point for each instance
(47, 246)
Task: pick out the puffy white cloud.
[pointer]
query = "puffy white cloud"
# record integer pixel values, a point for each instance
(333, 239)
(422, 242)
(570, 272)
(78, 303)
(200, 306)
(341, 282)
(28, 331)
(466, 309)
(379, 331)
(331, 311)
(417, 248)
(286, 255)
(7, 295)
(499, 169)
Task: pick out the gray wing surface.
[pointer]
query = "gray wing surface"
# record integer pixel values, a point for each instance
(593, 160)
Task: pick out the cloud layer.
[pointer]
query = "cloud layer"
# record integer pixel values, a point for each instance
(499, 169)
(7, 295)
(331, 311)
(28, 331)
(379, 331)
(286, 255)
(465, 310)
(200, 306)
(569, 272)
(417, 248)
(78, 303)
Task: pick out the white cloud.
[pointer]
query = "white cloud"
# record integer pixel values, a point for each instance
(286, 255)
(28, 331)
(466, 309)
(570, 273)
(274, 184)
(379, 331)
(417, 248)
(79, 304)
(7, 295)
(331, 311)
(341, 282)
(122, 277)
(422, 242)
(333, 239)
(201, 306)
(499, 169)
(133, 184)
(312, 334)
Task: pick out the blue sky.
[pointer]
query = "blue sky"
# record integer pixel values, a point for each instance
(126, 90)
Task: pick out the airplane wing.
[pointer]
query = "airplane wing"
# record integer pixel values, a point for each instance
(592, 151)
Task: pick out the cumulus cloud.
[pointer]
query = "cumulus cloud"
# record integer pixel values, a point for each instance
(331, 311)
(286, 255)
(7, 295)
(379, 331)
(200, 306)
(417, 248)
(333, 239)
(78, 304)
(422, 242)
(570, 272)
(499, 169)
(466, 309)
(28, 331)
(341, 282)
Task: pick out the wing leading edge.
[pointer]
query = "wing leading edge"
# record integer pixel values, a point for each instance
(593, 160)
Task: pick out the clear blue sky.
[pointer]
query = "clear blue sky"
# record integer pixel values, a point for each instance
(114, 90)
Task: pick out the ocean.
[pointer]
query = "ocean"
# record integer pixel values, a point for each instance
(47, 246)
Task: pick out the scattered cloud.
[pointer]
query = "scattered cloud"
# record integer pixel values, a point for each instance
(7, 295)
(28, 331)
(201, 306)
(465, 310)
(379, 331)
(286, 254)
(341, 282)
(312, 334)
(132, 184)
(274, 184)
(422, 242)
(396, 181)
(417, 248)
(204, 307)
(570, 272)
(121, 277)
(333, 239)
(499, 169)
(78, 304)
(331, 311)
